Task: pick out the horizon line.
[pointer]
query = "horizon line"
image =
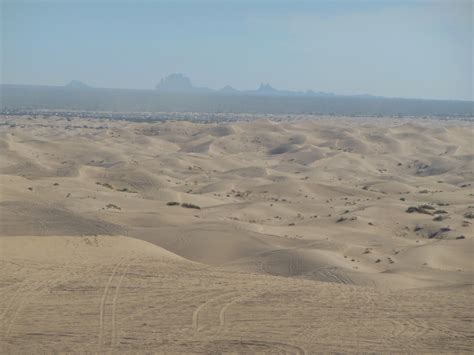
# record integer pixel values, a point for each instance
(240, 92)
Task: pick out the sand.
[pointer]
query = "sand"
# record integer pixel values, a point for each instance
(346, 235)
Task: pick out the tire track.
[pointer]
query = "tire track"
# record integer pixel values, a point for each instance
(27, 294)
(103, 302)
(235, 300)
(23, 287)
(114, 305)
(197, 311)
(21, 296)
(331, 276)
(24, 292)
(146, 310)
(260, 346)
(224, 309)
(294, 266)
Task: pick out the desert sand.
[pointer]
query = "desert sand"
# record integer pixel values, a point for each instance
(261, 236)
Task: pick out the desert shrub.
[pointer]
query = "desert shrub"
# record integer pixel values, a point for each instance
(421, 209)
(427, 207)
(115, 207)
(469, 215)
(173, 203)
(105, 184)
(439, 233)
(190, 205)
(126, 189)
(418, 228)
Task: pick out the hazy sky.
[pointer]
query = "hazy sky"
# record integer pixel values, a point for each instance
(415, 48)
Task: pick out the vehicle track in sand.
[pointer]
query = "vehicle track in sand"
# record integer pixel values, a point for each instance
(114, 339)
(256, 346)
(22, 297)
(103, 303)
(202, 306)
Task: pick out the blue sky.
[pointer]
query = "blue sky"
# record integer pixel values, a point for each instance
(416, 48)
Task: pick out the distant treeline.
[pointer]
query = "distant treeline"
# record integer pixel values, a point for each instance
(16, 97)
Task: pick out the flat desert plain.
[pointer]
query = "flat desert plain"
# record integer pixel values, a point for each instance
(260, 236)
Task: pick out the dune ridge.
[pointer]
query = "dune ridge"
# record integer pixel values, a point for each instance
(348, 234)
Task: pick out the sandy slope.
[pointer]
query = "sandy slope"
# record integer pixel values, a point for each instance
(107, 293)
(302, 241)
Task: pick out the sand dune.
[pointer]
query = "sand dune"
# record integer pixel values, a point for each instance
(116, 294)
(280, 237)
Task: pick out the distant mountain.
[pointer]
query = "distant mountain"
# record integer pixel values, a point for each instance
(76, 84)
(175, 82)
(179, 83)
(266, 89)
(228, 90)
(22, 98)
(319, 93)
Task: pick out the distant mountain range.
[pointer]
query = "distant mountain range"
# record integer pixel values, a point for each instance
(176, 93)
(179, 83)
(176, 84)
(76, 84)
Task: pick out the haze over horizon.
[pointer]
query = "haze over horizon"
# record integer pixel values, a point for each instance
(347, 48)
(178, 83)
